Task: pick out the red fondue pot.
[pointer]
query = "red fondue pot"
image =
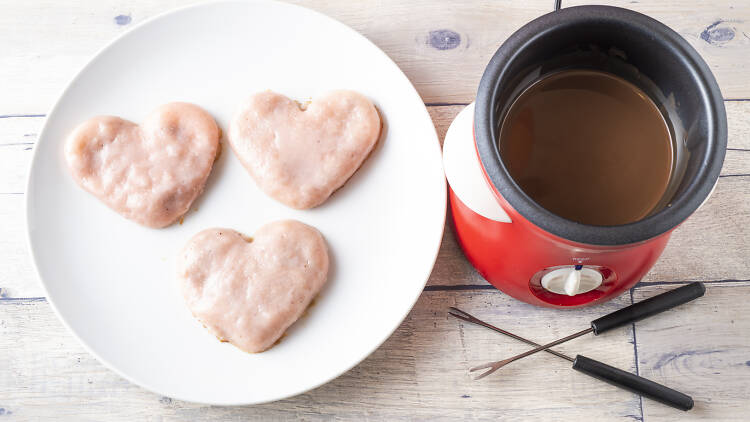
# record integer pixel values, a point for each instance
(525, 250)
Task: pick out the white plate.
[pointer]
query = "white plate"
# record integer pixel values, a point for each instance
(112, 282)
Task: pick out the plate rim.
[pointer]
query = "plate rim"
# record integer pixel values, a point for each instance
(42, 135)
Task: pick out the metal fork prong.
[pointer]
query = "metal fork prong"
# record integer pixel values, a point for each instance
(461, 317)
(501, 363)
(494, 366)
(458, 311)
(467, 317)
(480, 367)
(484, 374)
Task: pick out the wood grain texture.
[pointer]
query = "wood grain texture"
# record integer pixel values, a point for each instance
(714, 243)
(18, 135)
(14, 163)
(419, 373)
(443, 52)
(17, 277)
(718, 30)
(702, 348)
(442, 47)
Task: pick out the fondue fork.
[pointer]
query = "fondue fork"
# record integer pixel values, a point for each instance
(599, 370)
(624, 316)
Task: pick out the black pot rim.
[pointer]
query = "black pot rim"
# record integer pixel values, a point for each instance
(485, 124)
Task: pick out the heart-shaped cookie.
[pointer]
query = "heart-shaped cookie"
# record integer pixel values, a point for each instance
(149, 173)
(300, 157)
(249, 291)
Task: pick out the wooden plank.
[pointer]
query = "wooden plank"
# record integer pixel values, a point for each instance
(14, 163)
(711, 245)
(419, 373)
(17, 137)
(443, 51)
(24, 129)
(15, 160)
(738, 124)
(736, 163)
(44, 43)
(442, 68)
(701, 348)
(18, 134)
(20, 129)
(17, 278)
(719, 30)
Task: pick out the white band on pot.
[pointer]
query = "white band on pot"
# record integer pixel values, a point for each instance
(463, 170)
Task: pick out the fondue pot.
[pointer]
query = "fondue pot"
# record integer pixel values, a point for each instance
(525, 250)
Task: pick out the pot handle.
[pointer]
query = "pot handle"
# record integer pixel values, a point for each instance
(464, 171)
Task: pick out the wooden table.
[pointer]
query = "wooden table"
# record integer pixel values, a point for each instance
(420, 373)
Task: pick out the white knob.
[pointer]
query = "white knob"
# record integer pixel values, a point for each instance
(573, 282)
(569, 281)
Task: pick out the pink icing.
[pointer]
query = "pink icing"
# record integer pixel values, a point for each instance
(300, 157)
(249, 293)
(149, 173)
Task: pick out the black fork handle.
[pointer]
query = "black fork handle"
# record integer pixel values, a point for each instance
(633, 383)
(648, 307)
